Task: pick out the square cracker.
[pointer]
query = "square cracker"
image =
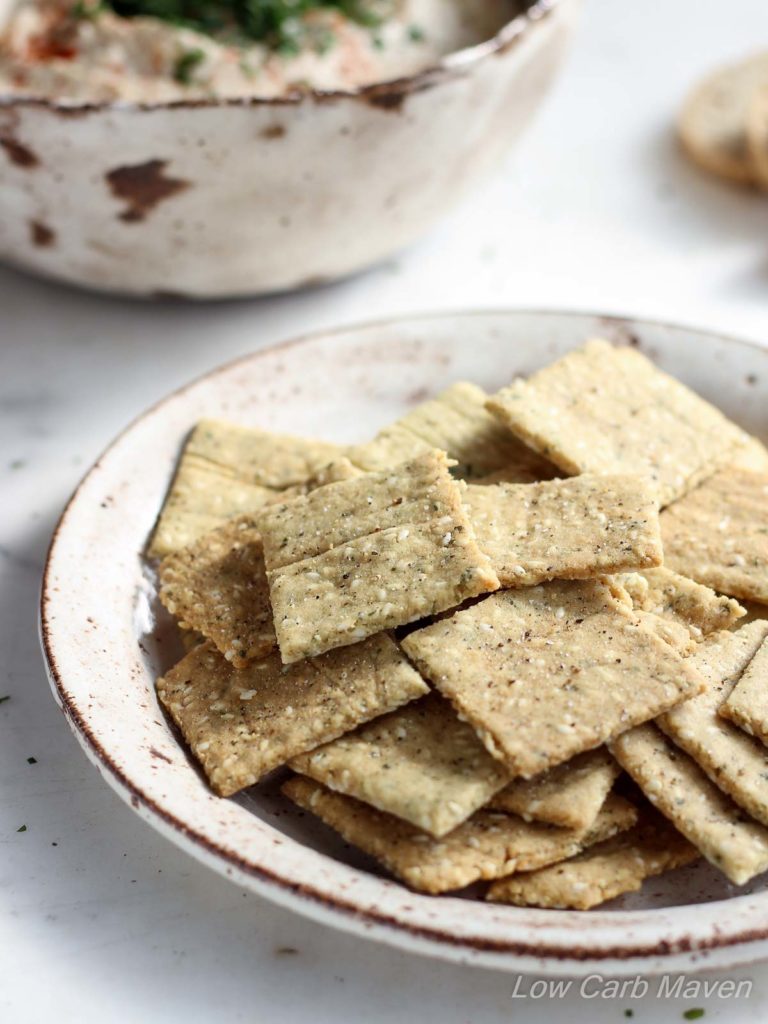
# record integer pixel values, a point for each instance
(566, 529)
(488, 845)
(602, 872)
(569, 795)
(546, 672)
(368, 554)
(602, 409)
(218, 586)
(734, 761)
(707, 817)
(682, 601)
(226, 470)
(747, 703)
(718, 534)
(457, 422)
(242, 724)
(421, 764)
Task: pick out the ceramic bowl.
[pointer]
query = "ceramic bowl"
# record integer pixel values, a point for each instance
(106, 640)
(224, 198)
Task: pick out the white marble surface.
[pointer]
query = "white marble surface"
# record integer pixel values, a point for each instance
(100, 919)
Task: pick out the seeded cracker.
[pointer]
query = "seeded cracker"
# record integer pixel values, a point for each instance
(747, 703)
(226, 470)
(603, 872)
(569, 795)
(734, 761)
(566, 529)
(240, 724)
(368, 554)
(602, 409)
(718, 534)
(545, 672)
(458, 423)
(677, 787)
(218, 586)
(421, 764)
(487, 846)
(681, 601)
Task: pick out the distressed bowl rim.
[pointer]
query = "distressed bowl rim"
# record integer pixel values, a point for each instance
(660, 954)
(448, 66)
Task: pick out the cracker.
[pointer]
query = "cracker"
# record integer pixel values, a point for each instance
(713, 121)
(218, 586)
(368, 554)
(226, 470)
(488, 845)
(602, 872)
(566, 529)
(751, 455)
(747, 703)
(421, 764)
(706, 816)
(602, 409)
(734, 761)
(718, 534)
(757, 131)
(457, 422)
(201, 498)
(681, 601)
(242, 724)
(545, 672)
(569, 795)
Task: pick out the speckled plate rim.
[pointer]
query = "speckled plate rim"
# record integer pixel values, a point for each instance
(175, 801)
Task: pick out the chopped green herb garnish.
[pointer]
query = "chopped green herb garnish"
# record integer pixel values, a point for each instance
(5, 698)
(695, 1014)
(86, 10)
(629, 1013)
(31, 760)
(186, 64)
(18, 464)
(22, 828)
(279, 24)
(416, 34)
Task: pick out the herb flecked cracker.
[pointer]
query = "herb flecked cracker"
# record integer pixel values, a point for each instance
(681, 601)
(569, 795)
(718, 534)
(368, 554)
(218, 586)
(609, 869)
(545, 672)
(566, 529)
(747, 703)
(240, 724)
(421, 764)
(735, 762)
(707, 817)
(457, 422)
(226, 470)
(602, 409)
(488, 845)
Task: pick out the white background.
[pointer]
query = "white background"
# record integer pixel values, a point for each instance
(100, 919)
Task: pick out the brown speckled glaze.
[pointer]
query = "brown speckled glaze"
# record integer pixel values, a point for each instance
(372, 169)
(105, 640)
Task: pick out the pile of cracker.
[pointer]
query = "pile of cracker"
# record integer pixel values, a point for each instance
(724, 122)
(503, 641)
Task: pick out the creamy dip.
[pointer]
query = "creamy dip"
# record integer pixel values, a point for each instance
(48, 48)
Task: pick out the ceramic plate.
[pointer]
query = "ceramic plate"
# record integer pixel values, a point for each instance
(105, 640)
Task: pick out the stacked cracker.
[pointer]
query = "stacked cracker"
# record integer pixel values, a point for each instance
(458, 667)
(724, 122)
